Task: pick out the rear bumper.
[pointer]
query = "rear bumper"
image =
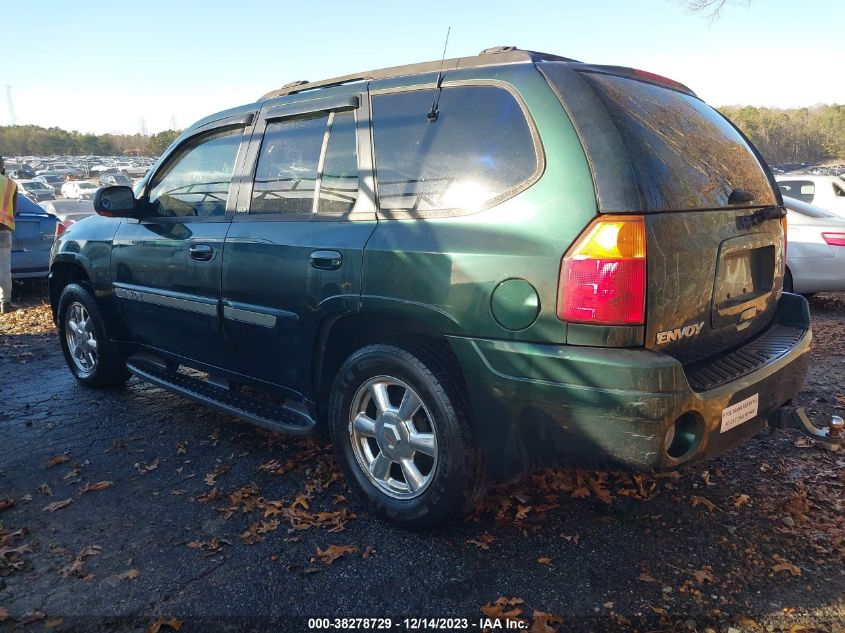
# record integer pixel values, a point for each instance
(538, 405)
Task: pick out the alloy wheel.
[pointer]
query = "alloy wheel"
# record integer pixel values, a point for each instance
(393, 437)
(81, 338)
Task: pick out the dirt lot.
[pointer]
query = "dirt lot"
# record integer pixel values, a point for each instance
(138, 510)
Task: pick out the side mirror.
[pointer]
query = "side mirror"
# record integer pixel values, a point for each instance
(116, 202)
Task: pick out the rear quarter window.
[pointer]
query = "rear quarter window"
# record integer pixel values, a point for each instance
(478, 152)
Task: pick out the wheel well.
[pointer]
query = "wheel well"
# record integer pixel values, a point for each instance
(62, 274)
(341, 337)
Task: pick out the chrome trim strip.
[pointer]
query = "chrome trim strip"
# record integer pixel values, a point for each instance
(248, 316)
(134, 293)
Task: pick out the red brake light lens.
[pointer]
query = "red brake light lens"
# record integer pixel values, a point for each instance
(603, 276)
(834, 239)
(61, 227)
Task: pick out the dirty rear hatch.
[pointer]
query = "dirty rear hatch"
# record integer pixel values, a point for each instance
(712, 212)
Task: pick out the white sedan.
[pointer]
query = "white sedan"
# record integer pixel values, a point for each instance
(815, 252)
(79, 190)
(827, 192)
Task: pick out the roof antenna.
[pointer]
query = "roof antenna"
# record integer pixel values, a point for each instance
(435, 104)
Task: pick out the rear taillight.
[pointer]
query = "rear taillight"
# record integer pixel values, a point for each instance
(783, 224)
(603, 275)
(834, 239)
(61, 227)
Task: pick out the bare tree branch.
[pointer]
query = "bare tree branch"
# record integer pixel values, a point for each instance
(711, 10)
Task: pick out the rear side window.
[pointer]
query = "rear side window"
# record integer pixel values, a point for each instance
(683, 153)
(803, 190)
(479, 151)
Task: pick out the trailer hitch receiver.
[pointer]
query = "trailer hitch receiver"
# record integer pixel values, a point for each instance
(830, 437)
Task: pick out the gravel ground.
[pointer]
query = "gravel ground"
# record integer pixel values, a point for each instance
(137, 510)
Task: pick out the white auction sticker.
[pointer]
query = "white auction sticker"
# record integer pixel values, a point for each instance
(740, 412)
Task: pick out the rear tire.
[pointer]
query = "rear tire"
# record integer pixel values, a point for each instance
(417, 465)
(92, 357)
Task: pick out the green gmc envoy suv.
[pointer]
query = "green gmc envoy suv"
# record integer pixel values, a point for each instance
(464, 269)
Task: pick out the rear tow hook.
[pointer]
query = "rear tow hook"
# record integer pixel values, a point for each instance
(830, 437)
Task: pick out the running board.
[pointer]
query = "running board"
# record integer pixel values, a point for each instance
(283, 419)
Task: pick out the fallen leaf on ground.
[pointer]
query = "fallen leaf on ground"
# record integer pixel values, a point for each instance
(6, 503)
(128, 575)
(741, 500)
(544, 560)
(370, 551)
(51, 624)
(647, 577)
(214, 545)
(696, 501)
(58, 505)
(804, 442)
(58, 459)
(76, 568)
(503, 608)
(333, 552)
(785, 565)
(171, 623)
(45, 490)
(146, 468)
(482, 541)
(702, 576)
(100, 485)
(3, 614)
(543, 622)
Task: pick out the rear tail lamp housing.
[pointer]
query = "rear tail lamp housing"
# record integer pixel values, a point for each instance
(603, 275)
(62, 226)
(834, 239)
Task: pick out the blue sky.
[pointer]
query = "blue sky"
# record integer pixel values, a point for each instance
(103, 66)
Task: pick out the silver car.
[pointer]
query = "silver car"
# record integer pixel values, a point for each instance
(815, 254)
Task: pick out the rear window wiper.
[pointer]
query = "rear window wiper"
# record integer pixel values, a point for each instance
(767, 213)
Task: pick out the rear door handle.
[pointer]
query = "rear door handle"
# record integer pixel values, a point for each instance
(326, 260)
(201, 252)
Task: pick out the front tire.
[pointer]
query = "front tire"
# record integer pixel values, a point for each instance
(402, 435)
(90, 354)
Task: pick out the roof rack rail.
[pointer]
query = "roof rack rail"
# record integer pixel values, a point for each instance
(493, 50)
(488, 57)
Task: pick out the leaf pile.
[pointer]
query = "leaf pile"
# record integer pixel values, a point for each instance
(29, 320)
(525, 504)
(76, 568)
(515, 610)
(11, 559)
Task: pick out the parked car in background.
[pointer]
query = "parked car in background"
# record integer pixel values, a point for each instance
(32, 239)
(565, 264)
(135, 170)
(21, 173)
(79, 190)
(115, 178)
(36, 190)
(68, 212)
(54, 181)
(815, 257)
(827, 192)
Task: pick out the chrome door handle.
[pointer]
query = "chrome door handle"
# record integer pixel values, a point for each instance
(201, 252)
(326, 260)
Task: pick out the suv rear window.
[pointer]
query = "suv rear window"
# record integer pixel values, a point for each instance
(479, 151)
(683, 154)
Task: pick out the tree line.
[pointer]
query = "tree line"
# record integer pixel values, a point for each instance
(796, 135)
(33, 140)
